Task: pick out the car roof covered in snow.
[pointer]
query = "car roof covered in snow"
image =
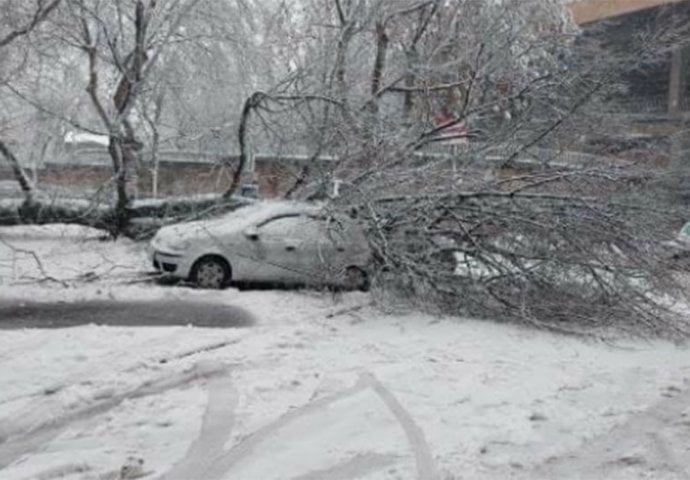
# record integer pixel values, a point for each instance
(259, 211)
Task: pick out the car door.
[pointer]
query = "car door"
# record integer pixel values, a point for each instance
(331, 244)
(277, 249)
(347, 244)
(318, 250)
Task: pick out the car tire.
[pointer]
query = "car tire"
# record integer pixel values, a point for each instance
(211, 272)
(356, 279)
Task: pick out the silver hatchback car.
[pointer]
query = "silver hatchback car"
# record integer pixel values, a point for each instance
(266, 242)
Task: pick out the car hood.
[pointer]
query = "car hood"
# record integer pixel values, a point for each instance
(197, 229)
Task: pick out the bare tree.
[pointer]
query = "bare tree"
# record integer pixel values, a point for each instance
(131, 59)
(29, 19)
(131, 42)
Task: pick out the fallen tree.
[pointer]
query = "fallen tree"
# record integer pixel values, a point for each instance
(549, 257)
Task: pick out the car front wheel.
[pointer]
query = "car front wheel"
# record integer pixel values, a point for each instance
(210, 272)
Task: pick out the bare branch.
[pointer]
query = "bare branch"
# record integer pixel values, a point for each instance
(41, 13)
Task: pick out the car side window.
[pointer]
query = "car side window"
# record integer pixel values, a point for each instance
(308, 228)
(300, 225)
(280, 226)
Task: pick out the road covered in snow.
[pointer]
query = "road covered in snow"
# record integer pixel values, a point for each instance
(320, 386)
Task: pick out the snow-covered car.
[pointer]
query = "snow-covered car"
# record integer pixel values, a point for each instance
(266, 242)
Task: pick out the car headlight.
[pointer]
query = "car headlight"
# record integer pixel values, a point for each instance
(177, 245)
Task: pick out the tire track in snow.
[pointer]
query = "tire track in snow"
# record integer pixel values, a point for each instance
(110, 360)
(355, 467)
(19, 441)
(223, 464)
(216, 427)
(42, 408)
(426, 469)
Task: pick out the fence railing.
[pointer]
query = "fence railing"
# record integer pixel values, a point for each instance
(515, 155)
(476, 153)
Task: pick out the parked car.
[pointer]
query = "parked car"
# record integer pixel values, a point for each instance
(266, 242)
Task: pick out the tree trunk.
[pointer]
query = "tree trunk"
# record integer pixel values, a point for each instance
(250, 104)
(142, 220)
(155, 162)
(19, 173)
(116, 149)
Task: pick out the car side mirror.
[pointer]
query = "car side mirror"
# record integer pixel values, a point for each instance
(252, 233)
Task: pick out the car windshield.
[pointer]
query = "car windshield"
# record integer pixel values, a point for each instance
(260, 212)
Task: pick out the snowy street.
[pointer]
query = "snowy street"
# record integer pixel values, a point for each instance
(321, 386)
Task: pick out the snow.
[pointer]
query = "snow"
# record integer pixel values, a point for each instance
(62, 253)
(85, 137)
(323, 386)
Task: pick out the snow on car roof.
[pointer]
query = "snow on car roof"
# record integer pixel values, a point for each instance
(260, 211)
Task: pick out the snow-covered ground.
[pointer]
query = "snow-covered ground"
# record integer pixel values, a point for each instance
(323, 387)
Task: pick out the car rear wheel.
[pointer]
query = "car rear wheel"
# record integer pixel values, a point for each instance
(356, 279)
(211, 272)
